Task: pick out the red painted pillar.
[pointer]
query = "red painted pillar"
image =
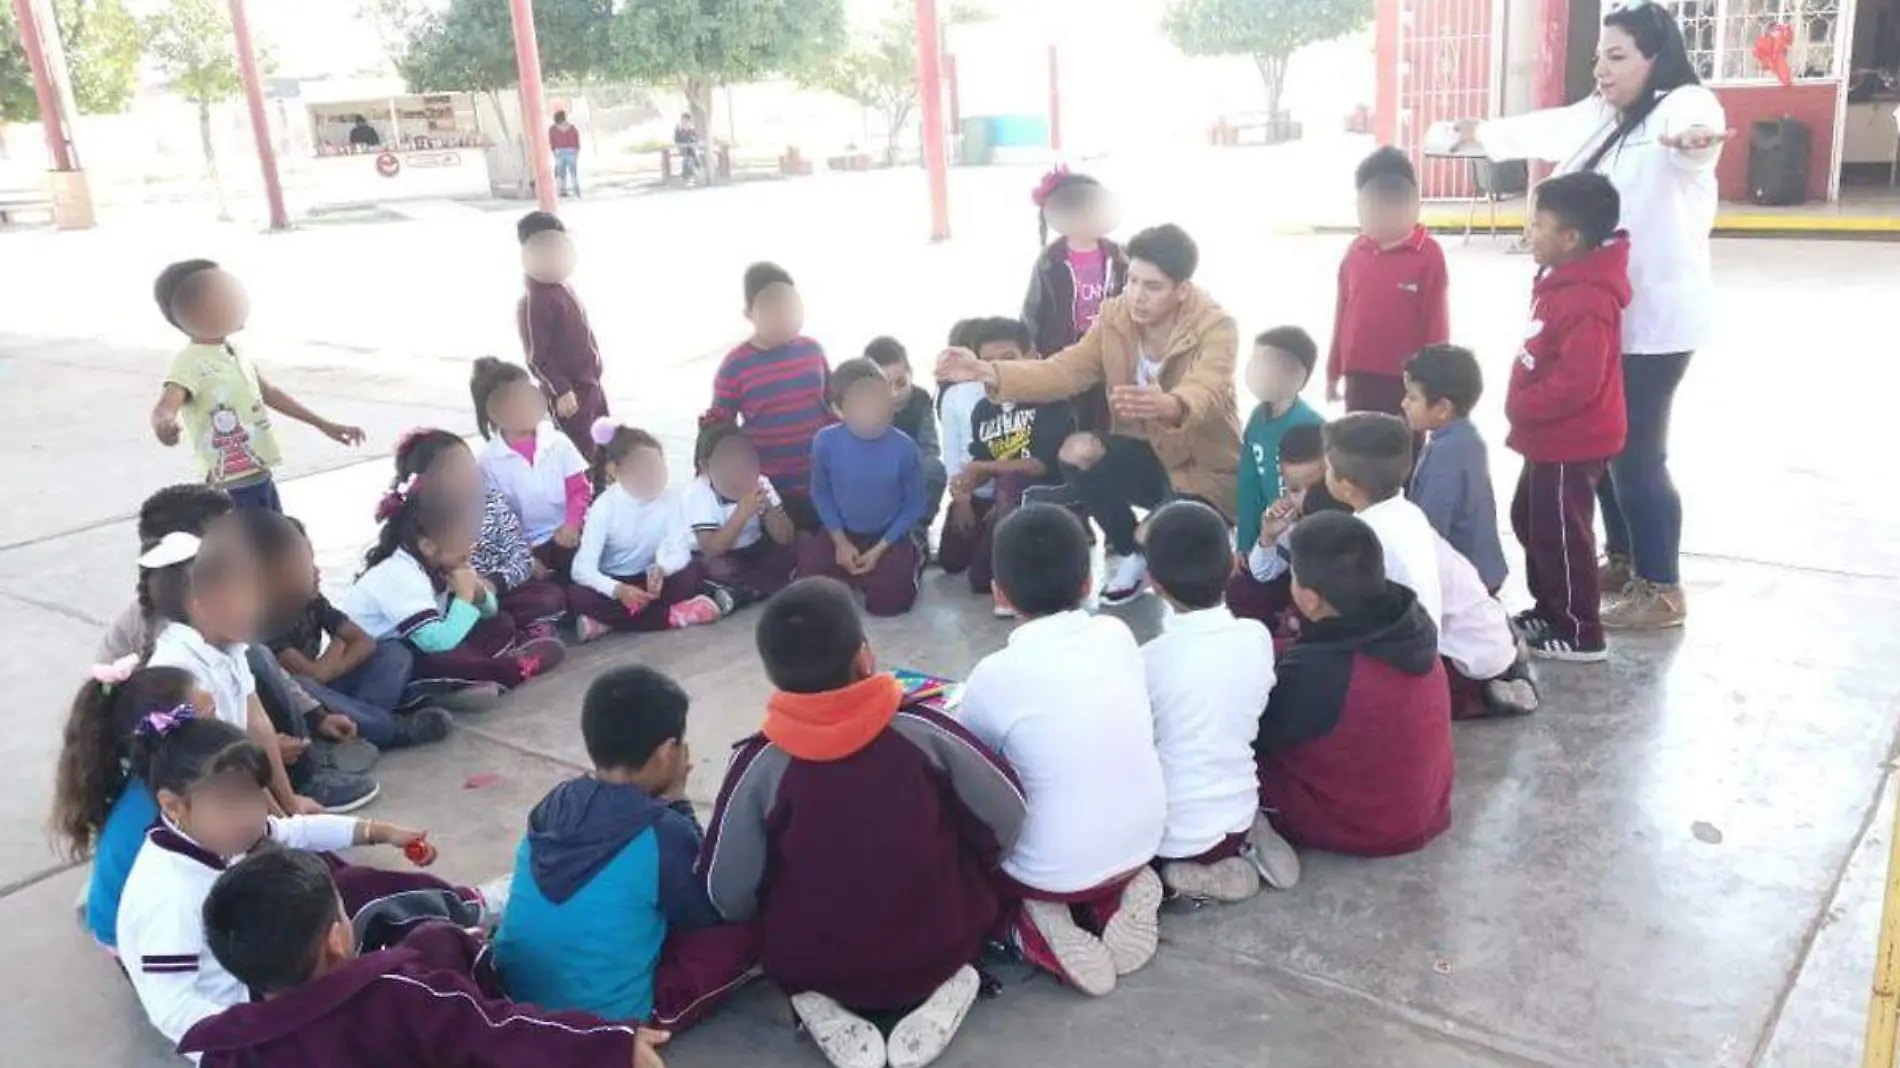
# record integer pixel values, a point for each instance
(1055, 101)
(533, 115)
(1386, 74)
(1553, 52)
(930, 84)
(260, 119)
(51, 123)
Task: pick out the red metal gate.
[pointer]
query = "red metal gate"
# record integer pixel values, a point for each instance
(1443, 65)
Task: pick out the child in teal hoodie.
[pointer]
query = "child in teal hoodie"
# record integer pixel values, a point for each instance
(1282, 363)
(606, 914)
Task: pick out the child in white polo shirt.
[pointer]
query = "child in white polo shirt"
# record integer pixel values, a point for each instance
(1066, 705)
(534, 466)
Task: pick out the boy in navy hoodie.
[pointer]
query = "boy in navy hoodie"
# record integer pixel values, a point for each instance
(863, 836)
(606, 915)
(275, 923)
(1566, 411)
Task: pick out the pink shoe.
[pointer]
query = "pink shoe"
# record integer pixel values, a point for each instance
(587, 628)
(539, 657)
(694, 613)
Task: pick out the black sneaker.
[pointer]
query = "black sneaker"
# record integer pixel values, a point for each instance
(1061, 494)
(352, 757)
(339, 792)
(1549, 646)
(421, 727)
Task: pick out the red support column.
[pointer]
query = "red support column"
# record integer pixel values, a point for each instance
(51, 124)
(533, 113)
(1055, 101)
(1553, 53)
(260, 119)
(930, 83)
(1386, 74)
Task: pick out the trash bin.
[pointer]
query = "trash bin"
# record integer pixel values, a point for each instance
(1778, 152)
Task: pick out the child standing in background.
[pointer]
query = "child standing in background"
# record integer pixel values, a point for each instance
(744, 537)
(1568, 419)
(1393, 290)
(540, 473)
(774, 385)
(1066, 705)
(219, 392)
(634, 569)
(555, 335)
(916, 415)
(867, 483)
(1282, 363)
(1074, 274)
(1451, 483)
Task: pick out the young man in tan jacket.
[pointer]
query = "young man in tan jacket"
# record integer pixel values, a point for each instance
(1166, 353)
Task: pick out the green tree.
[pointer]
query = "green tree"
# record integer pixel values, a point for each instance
(700, 45)
(102, 56)
(1268, 31)
(192, 43)
(879, 70)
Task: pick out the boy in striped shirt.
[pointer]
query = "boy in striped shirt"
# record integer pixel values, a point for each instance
(774, 385)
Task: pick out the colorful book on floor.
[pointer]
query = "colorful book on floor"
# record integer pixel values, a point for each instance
(931, 691)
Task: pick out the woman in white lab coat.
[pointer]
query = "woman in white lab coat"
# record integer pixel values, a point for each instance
(1656, 132)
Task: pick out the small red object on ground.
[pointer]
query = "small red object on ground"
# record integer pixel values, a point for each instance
(420, 853)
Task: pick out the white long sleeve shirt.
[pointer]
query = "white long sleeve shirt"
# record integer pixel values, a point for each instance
(1066, 704)
(223, 671)
(954, 411)
(624, 536)
(1476, 635)
(1209, 675)
(1411, 552)
(161, 931)
(1669, 198)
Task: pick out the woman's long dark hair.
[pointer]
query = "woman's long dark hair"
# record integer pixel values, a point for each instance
(489, 375)
(1659, 39)
(95, 760)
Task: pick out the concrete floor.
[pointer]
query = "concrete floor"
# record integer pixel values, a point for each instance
(1677, 862)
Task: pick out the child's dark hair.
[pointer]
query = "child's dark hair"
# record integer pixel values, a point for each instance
(616, 443)
(1041, 560)
(850, 373)
(1000, 328)
(1371, 450)
(179, 756)
(1447, 372)
(629, 713)
(1583, 201)
(887, 352)
(809, 636)
(184, 508)
(489, 375)
(94, 759)
(1387, 174)
(1293, 341)
(1169, 249)
(1303, 444)
(1060, 190)
(266, 917)
(536, 222)
(715, 426)
(759, 277)
(179, 286)
(1336, 555)
(1190, 554)
(271, 534)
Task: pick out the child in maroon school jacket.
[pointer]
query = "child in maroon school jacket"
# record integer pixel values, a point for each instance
(274, 922)
(555, 336)
(1354, 748)
(863, 836)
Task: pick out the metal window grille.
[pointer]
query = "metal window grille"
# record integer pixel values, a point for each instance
(1721, 36)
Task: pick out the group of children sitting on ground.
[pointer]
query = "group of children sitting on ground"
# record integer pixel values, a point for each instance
(869, 848)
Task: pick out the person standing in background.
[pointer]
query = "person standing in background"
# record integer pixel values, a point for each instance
(564, 138)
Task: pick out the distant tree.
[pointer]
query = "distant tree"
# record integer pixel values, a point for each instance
(879, 70)
(192, 43)
(1268, 31)
(700, 45)
(102, 56)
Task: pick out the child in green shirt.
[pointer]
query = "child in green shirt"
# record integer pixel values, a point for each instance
(1282, 362)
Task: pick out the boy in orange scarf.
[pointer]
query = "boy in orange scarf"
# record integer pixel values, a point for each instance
(862, 835)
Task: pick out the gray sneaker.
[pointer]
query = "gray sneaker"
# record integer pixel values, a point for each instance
(352, 757)
(340, 792)
(421, 727)
(479, 697)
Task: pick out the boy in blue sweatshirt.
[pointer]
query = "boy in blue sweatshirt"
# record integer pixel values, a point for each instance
(606, 914)
(867, 484)
(1451, 483)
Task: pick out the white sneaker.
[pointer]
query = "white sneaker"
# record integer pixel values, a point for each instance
(1225, 881)
(1085, 962)
(1127, 580)
(1272, 855)
(846, 1039)
(921, 1037)
(1001, 610)
(1134, 933)
(494, 894)
(587, 628)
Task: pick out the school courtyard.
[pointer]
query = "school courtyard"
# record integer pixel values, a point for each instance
(1678, 861)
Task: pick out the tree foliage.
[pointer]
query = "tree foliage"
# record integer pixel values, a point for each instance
(879, 69)
(192, 43)
(1268, 31)
(700, 45)
(102, 56)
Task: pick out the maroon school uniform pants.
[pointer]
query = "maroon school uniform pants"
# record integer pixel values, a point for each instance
(683, 585)
(698, 970)
(556, 558)
(757, 571)
(1375, 393)
(969, 550)
(1554, 515)
(889, 589)
(1265, 602)
(535, 602)
(483, 656)
(579, 427)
